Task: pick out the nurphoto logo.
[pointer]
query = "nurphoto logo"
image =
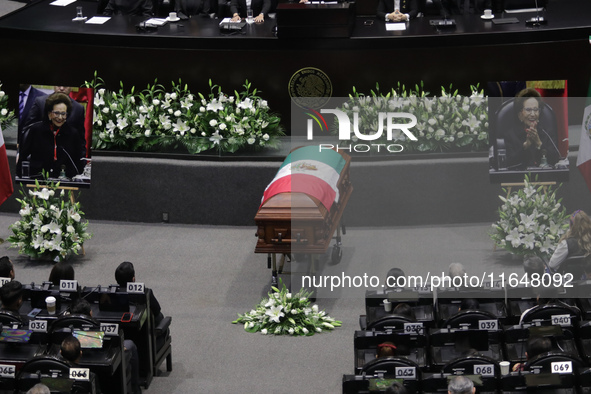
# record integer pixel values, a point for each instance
(348, 132)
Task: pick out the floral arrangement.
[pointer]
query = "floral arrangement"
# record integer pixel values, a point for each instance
(6, 115)
(159, 120)
(283, 313)
(531, 221)
(447, 123)
(51, 223)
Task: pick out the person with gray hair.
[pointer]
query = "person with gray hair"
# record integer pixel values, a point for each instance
(461, 385)
(456, 269)
(39, 388)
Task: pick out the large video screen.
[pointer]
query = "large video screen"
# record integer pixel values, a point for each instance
(528, 130)
(54, 135)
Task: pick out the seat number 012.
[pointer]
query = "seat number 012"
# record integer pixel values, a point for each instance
(135, 287)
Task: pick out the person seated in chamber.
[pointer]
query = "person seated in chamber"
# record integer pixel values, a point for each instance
(194, 7)
(260, 9)
(530, 144)
(52, 144)
(129, 7)
(397, 10)
(575, 242)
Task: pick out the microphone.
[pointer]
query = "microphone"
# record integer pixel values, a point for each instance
(72, 161)
(442, 23)
(553, 144)
(537, 20)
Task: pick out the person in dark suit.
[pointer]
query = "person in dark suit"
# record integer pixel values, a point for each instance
(6, 268)
(129, 7)
(27, 97)
(529, 141)
(83, 307)
(193, 7)
(75, 117)
(71, 350)
(11, 295)
(260, 8)
(52, 144)
(397, 10)
(465, 7)
(124, 274)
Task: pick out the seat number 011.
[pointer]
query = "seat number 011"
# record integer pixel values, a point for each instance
(562, 367)
(68, 285)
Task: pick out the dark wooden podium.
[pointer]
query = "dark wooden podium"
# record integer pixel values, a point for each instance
(296, 20)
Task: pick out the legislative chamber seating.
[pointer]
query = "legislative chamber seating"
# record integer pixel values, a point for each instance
(420, 301)
(409, 346)
(162, 345)
(473, 342)
(55, 374)
(33, 334)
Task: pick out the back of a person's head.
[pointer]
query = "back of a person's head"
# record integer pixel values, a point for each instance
(587, 266)
(471, 352)
(460, 385)
(11, 293)
(403, 309)
(6, 267)
(538, 345)
(469, 304)
(124, 273)
(61, 271)
(392, 276)
(533, 265)
(456, 269)
(71, 349)
(580, 229)
(386, 349)
(39, 388)
(396, 388)
(81, 307)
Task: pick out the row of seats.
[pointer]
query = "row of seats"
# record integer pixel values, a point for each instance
(121, 315)
(441, 340)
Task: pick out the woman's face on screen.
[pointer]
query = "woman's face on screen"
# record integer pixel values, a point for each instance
(530, 113)
(58, 115)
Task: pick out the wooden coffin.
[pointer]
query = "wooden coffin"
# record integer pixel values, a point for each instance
(293, 221)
